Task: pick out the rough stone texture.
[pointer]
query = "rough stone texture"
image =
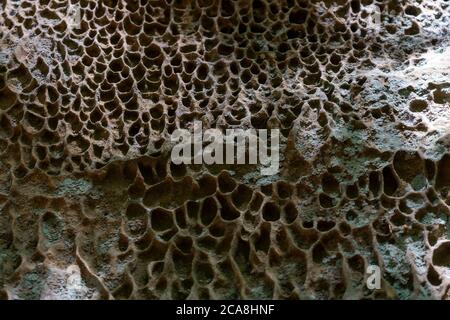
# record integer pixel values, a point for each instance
(91, 207)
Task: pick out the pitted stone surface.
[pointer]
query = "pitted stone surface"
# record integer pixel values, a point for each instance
(92, 208)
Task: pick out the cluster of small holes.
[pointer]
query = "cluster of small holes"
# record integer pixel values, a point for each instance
(93, 101)
(116, 83)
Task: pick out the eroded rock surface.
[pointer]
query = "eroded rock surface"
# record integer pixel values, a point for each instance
(92, 208)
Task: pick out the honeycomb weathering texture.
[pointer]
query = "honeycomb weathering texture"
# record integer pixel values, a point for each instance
(91, 206)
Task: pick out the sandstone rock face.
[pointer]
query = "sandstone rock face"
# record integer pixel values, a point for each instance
(91, 206)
